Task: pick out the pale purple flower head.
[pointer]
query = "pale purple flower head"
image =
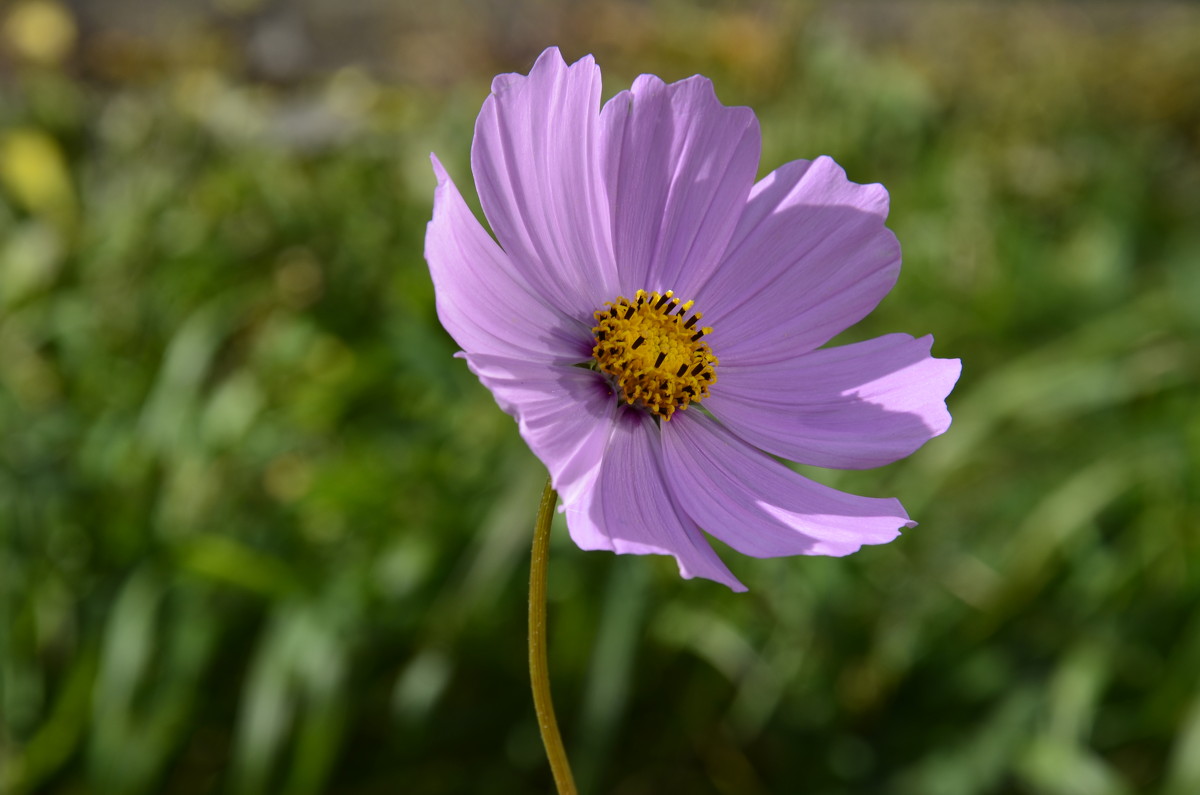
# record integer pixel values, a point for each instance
(652, 317)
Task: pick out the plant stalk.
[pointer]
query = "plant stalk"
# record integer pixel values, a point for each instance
(539, 673)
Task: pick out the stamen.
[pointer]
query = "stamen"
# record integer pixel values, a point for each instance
(652, 354)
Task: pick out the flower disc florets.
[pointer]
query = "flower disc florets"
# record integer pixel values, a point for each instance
(653, 352)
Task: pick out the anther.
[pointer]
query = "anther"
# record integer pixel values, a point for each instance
(623, 330)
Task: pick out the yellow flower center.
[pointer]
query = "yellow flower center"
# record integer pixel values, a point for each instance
(653, 352)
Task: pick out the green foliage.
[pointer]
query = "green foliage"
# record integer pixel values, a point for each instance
(260, 532)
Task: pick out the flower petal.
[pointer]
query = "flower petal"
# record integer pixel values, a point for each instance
(679, 166)
(485, 304)
(850, 407)
(629, 510)
(536, 163)
(810, 257)
(760, 507)
(565, 414)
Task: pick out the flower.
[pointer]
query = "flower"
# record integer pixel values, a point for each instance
(652, 317)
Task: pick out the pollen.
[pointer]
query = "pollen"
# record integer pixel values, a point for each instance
(653, 351)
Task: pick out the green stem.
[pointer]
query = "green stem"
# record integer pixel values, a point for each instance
(539, 673)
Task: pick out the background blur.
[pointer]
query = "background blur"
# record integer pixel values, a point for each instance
(260, 533)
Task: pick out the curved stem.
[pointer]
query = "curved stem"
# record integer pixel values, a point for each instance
(539, 673)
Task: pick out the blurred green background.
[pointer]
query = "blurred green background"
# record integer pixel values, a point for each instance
(260, 533)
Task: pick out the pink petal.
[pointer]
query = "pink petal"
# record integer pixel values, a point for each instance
(565, 414)
(810, 257)
(537, 168)
(760, 507)
(482, 299)
(851, 407)
(629, 510)
(679, 166)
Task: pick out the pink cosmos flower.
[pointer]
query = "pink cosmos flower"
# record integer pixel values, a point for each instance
(652, 317)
